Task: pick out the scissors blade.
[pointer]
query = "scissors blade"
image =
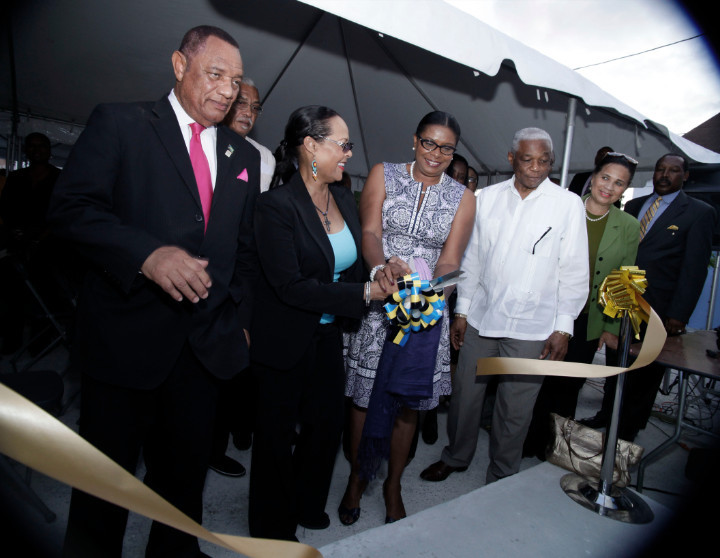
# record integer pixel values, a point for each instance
(448, 279)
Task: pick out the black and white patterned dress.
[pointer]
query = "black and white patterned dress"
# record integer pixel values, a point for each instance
(408, 232)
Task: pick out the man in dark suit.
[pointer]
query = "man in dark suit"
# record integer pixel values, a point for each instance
(160, 201)
(675, 244)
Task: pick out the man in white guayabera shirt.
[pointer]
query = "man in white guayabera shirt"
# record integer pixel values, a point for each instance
(527, 280)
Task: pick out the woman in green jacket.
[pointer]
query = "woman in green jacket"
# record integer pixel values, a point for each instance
(613, 238)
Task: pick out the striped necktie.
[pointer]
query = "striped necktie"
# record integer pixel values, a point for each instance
(649, 214)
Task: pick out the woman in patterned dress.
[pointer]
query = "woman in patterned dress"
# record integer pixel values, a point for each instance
(408, 210)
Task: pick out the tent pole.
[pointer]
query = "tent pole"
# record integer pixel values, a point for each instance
(424, 95)
(354, 92)
(569, 131)
(12, 157)
(713, 291)
(292, 57)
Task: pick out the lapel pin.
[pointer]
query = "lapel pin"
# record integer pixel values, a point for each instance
(673, 228)
(229, 151)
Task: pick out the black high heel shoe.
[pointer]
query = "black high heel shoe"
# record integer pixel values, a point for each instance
(390, 519)
(348, 516)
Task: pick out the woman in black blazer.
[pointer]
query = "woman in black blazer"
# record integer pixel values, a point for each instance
(308, 242)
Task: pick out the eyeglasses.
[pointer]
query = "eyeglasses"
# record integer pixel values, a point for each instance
(430, 145)
(256, 108)
(627, 158)
(347, 146)
(472, 179)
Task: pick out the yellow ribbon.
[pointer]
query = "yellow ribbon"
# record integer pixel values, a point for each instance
(620, 292)
(33, 437)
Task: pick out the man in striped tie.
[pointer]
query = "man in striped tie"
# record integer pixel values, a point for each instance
(676, 237)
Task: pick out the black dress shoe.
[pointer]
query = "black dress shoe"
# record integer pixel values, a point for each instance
(242, 440)
(322, 522)
(228, 466)
(439, 471)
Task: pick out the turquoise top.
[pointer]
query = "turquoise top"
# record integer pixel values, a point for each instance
(343, 245)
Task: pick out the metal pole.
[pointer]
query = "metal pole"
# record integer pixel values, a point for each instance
(569, 131)
(608, 463)
(713, 292)
(603, 498)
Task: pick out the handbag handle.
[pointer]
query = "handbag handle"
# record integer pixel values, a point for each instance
(566, 436)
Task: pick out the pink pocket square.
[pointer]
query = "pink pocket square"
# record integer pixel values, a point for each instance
(243, 175)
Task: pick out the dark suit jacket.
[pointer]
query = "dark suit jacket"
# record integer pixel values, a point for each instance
(127, 189)
(675, 254)
(578, 181)
(296, 285)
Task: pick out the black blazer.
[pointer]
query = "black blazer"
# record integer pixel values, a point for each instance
(296, 284)
(578, 181)
(127, 189)
(675, 254)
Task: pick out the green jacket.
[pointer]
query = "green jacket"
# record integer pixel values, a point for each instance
(618, 247)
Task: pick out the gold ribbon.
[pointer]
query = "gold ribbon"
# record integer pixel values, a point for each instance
(620, 292)
(33, 437)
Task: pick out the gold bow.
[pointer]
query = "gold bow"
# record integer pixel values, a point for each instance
(620, 293)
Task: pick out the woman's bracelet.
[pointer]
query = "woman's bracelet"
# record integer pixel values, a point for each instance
(367, 293)
(375, 269)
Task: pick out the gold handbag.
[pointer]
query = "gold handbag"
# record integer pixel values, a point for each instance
(579, 449)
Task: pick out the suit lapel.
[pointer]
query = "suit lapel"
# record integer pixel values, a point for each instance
(168, 130)
(677, 207)
(308, 214)
(637, 203)
(225, 155)
(610, 236)
(347, 207)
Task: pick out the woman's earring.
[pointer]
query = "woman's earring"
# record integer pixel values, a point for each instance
(314, 169)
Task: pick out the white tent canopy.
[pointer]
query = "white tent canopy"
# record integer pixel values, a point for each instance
(381, 64)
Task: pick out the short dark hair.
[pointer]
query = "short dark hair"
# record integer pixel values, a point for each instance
(196, 37)
(686, 166)
(311, 120)
(37, 136)
(439, 118)
(621, 160)
(457, 158)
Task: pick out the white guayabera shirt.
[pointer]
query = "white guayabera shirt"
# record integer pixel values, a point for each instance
(526, 264)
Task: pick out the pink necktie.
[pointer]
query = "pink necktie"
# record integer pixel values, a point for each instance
(201, 170)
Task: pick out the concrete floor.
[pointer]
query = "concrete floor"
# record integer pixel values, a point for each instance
(524, 515)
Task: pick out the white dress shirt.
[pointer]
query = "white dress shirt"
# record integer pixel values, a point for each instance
(208, 137)
(267, 164)
(527, 263)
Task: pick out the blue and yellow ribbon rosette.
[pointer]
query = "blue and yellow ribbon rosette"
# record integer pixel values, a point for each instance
(415, 306)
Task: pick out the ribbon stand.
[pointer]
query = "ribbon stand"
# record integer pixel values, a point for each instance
(603, 498)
